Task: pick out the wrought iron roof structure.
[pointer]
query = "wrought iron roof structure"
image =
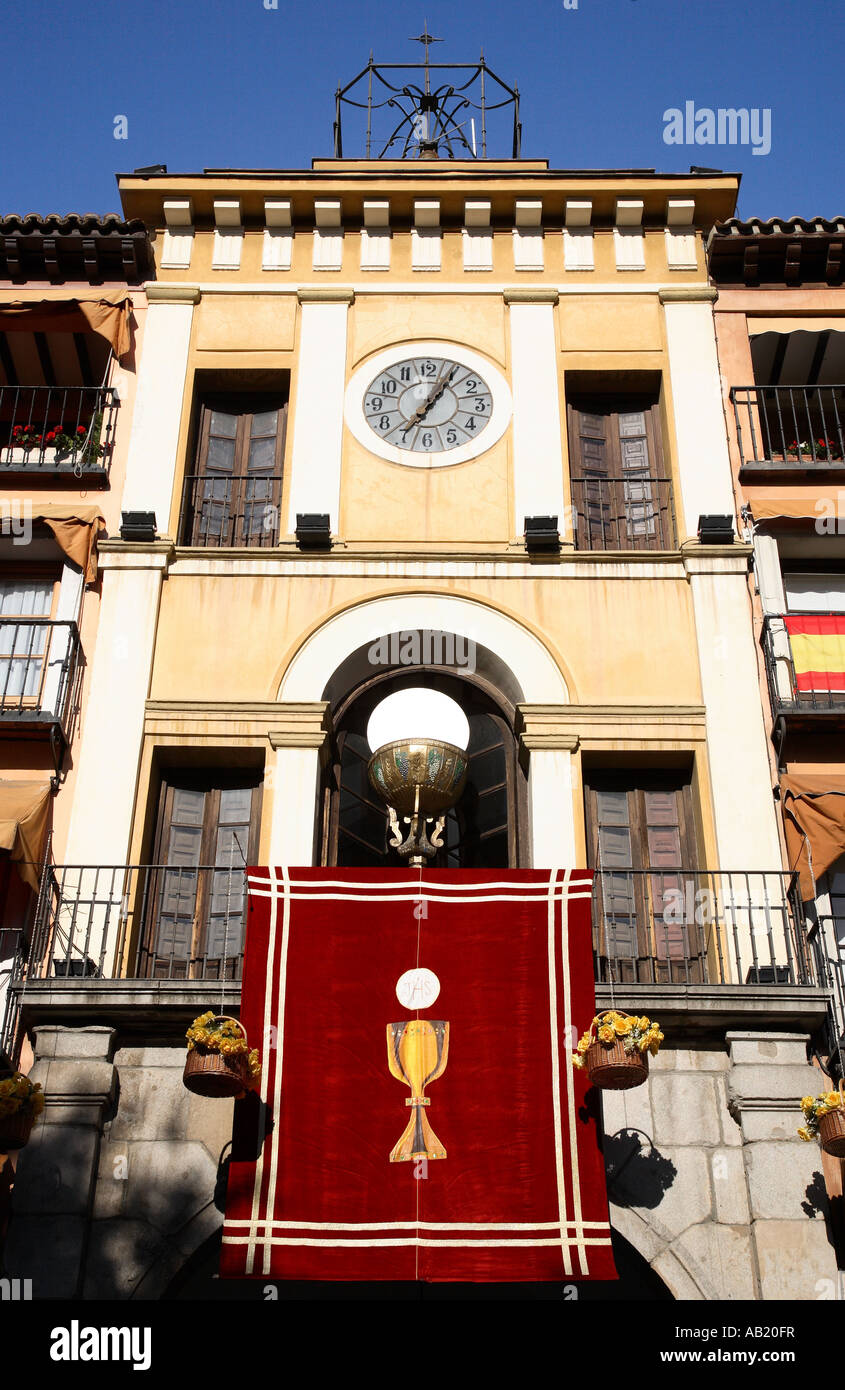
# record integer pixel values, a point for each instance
(428, 109)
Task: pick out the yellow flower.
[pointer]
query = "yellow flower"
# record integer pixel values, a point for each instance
(584, 1043)
(805, 1134)
(832, 1100)
(623, 1025)
(578, 1061)
(807, 1104)
(606, 1034)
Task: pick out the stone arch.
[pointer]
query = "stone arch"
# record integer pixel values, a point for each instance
(535, 671)
(679, 1269)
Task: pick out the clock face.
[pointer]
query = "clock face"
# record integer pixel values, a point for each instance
(428, 405)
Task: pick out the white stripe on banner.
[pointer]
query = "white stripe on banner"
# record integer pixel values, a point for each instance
(265, 1071)
(416, 1241)
(422, 1225)
(349, 888)
(280, 1034)
(570, 1089)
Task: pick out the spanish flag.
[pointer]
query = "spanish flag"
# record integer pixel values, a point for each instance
(818, 650)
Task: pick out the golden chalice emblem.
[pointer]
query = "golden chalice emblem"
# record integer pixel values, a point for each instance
(416, 1054)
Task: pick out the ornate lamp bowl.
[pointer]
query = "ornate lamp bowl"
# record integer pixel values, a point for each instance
(420, 779)
(438, 769)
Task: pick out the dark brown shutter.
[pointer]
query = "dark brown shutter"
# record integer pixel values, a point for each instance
(207, 832)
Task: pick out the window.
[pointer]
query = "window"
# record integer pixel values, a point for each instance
(234, 495)
(207, 832)
(482, 831)
(641, 842)
(621, 496)
(23, 643)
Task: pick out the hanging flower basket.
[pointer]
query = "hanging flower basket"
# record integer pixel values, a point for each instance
(21, 1102)
(220, 1062)
(615, 1049)
(824, 1119)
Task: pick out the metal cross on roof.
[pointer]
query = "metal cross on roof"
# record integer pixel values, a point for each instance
(425, 37)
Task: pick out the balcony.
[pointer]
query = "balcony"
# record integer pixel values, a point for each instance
(795, 646)
(40, 665)
(221, 510)
(50, 430)
(790, 429)
(699, 927)
(623, 513)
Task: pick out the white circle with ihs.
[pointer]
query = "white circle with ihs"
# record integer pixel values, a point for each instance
(417, 989)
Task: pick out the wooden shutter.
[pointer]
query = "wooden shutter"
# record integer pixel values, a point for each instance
(207, 831)
(641, 840)
(618, 479)
(238, 476)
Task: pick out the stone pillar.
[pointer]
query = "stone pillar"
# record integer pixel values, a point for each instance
(300, 737)
(56, 1172)
(769, 1075)
(547, 742)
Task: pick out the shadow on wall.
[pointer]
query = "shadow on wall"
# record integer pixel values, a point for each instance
(637, 1173)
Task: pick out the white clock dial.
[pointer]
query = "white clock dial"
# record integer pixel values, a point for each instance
(428, 405)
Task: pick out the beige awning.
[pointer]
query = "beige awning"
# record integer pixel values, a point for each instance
(107, 314)
(791, 503)
(76, 529)
(814, 819)
(24, 813)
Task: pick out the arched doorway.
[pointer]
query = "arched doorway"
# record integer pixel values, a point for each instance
(487, 828)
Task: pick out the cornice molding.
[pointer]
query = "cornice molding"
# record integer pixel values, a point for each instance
(688, 294)
(531, 296)
(325, 294)
(160, 292)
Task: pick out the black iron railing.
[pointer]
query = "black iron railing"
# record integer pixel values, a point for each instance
(57, 428)
(227, 511)
(40, 661)
(790, 426)
(798, 691)
(624, 513)
(827, 939)
(147, 921)
(685, 926)
(693, 926)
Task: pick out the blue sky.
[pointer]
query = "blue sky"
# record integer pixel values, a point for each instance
(231, 83)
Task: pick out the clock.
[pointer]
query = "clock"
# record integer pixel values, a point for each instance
(427, 404)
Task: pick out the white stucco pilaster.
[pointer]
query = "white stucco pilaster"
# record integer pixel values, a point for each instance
(705, 471)
(537, 451)
(318, 419)
(736, 738)
(152, 461)
(298, 737)
(109, 747)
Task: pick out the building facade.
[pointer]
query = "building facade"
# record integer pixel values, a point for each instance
(551, 540)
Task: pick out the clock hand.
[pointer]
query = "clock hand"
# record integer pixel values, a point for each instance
(439, 387)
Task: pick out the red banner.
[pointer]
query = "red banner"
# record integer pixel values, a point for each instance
(443, 1137)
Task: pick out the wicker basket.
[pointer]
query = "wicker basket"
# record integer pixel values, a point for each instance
(211, 1074)
(15, 1130)
(611, 1068)
(832, 1129)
